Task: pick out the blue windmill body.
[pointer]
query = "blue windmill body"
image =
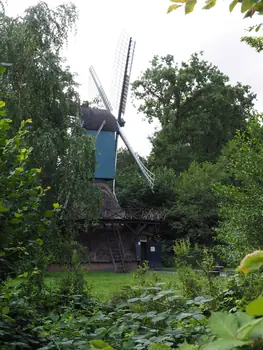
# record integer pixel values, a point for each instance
(103, 126)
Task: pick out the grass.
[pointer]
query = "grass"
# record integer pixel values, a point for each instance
(104, 284)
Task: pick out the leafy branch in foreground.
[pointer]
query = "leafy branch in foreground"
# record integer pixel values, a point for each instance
(248, 7)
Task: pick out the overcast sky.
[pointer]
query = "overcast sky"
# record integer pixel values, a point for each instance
(216, 32)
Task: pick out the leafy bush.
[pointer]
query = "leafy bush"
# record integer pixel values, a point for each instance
(22, 222)
(241, 202)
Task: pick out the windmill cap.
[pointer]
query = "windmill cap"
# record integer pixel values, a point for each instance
(93, 118)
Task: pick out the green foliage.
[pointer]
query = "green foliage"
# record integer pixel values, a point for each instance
(229, 330)
(144, 316)
(186, 150)
(240, 290)
(39, 86)
(132, 190)
(73, 283)
(255, 42)
(99, 344)
(184, 100)
(240, 205)
(22, 222)
(249, 7)
(194, 283)
(251, 262)
(196, 205)
(16, 319)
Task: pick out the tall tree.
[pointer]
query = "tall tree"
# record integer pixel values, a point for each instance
(39, 86)
(198, 109)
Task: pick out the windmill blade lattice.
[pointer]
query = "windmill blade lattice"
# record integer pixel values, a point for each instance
(97, 92)
(122, 72)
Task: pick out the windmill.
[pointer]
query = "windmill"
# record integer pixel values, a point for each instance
(105, 126)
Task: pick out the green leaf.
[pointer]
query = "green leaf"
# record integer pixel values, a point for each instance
(252, 330)
(100, 344)
(201, 300)
(189, 6)
(3, 208)
(247, 4)
(250, 12)
(251, 262)
(223, 324)
(258, 27)
(55, 205)
(40, 241)
(41, 190)
(225, 344)
(259, 7)
(159, 346)
(160, 317)
(48, 213)
(5, 310)
(186, 346)
(256, 329)
(232, 5)
(243, 318)
(43, 334)
(255, 308)
(2, 254)
(2, 69)
(2, 104)
(173, 7)
(209, 4)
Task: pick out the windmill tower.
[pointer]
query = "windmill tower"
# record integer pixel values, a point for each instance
(105, 126)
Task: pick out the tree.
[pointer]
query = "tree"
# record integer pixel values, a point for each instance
(198, 109)
(248, 7)
(241, 202)
(132, 189)
(23, 224)
(190, 199)
(39, 86)
(195, 209)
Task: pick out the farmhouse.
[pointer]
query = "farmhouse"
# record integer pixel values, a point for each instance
(123, 239)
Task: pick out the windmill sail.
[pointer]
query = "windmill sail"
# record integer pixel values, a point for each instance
(149, 176)
(122, 73)
(103, 99)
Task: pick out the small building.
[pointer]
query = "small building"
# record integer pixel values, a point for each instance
(123, 239)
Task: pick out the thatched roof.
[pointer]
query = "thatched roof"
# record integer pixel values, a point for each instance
(110, 206)
(93, 118)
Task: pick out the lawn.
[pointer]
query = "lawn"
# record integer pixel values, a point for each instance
(104, 284)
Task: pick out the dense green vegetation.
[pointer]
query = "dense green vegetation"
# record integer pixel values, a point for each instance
(207, 159)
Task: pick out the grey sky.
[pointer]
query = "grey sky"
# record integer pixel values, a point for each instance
(216, 32)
